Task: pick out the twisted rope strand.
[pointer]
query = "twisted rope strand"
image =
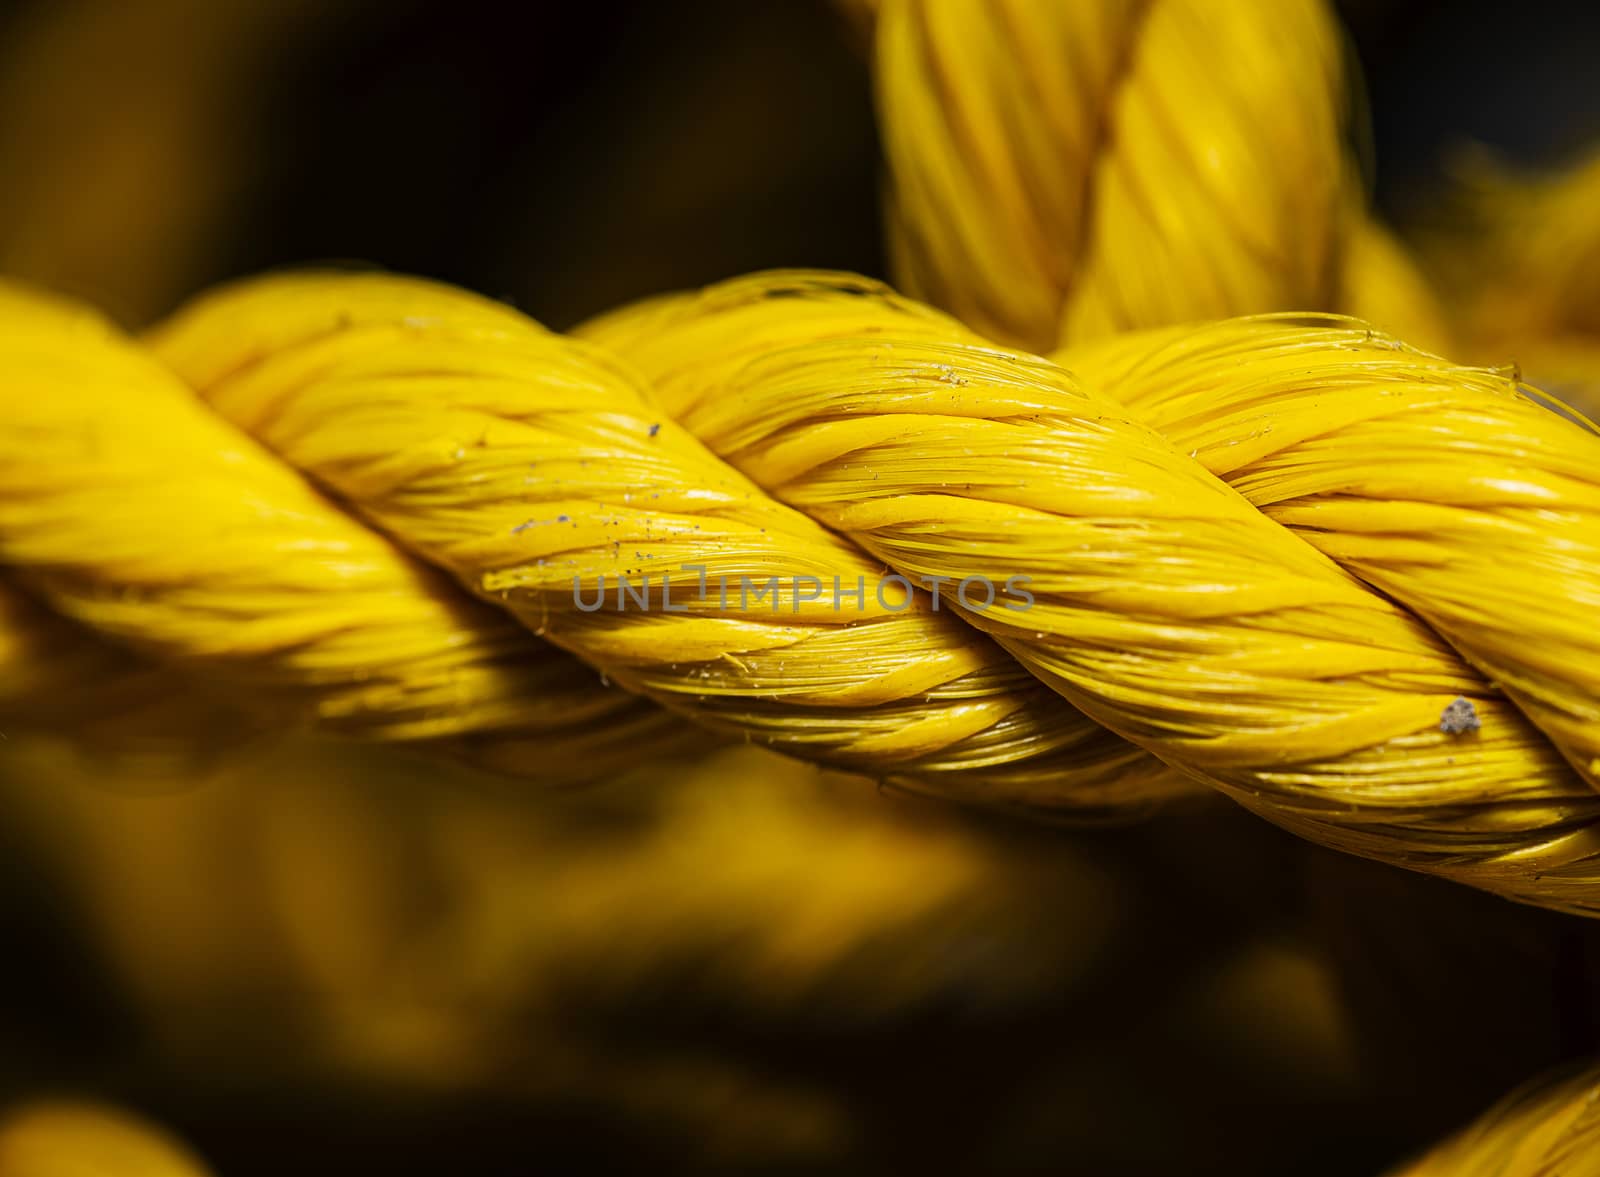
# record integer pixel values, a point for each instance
(1442, 486)
(132, 509)
(540, 472)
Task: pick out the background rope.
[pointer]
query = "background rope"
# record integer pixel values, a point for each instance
(1549, 1126)
(58, 1138)
(1061, 171)
(1520, 253)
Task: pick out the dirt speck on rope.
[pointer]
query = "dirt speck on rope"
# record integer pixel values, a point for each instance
(1459, 717)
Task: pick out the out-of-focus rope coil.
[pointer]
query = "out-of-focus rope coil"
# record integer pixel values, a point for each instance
(1167, 608)
(1520, 254)
(1548, 1128)
(59, 1138)
(1061, 171)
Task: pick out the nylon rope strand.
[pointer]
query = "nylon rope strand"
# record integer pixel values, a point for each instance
(1444, 487)
(135, 511)
(1168, 609)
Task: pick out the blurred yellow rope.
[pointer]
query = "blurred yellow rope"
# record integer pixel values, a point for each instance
(1521, 254)
(61, 1138)
(1547, 1128)
(1061, 171)
(1164, 606)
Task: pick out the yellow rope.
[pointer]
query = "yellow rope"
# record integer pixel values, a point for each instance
(1381, 283)
(1520, 255)
(56, 677)
(1348, 584)
(816, 429)
(1548, 1128)
(61, 1138)
(1444, 487)
(814, 425)
(220, 560)
(1061, 171)
(1321, 704)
